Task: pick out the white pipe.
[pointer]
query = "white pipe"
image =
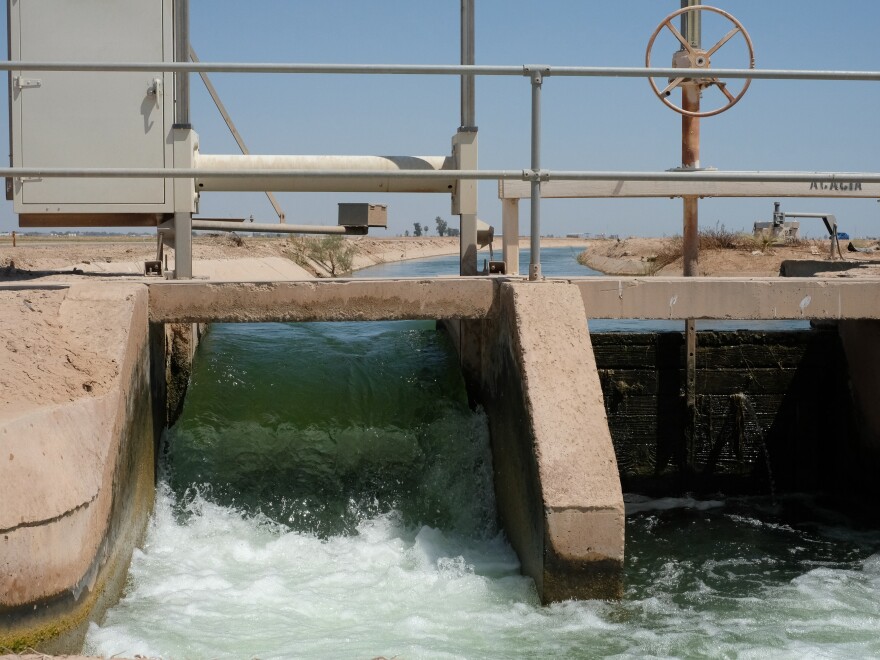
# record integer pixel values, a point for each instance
(268, 227)
(378, 164)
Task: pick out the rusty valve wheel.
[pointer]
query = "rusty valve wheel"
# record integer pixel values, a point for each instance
(698, 58)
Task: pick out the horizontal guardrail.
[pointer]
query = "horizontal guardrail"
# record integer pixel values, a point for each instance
(441, 70)
(484, 175)
(536, 175)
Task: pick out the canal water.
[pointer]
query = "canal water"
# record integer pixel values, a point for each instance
(327, 493)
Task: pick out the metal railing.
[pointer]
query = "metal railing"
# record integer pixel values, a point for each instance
(535, 174)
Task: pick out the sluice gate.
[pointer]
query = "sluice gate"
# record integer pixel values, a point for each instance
(774, 411)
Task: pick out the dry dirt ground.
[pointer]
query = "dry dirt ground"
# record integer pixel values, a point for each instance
(661, 256)
(47, 258)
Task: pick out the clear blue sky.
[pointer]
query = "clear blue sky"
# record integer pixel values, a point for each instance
(589, 124)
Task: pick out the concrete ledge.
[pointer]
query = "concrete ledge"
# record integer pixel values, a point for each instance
(476, 298)
(556, 476)
(812, 267)
(76, 482)
(729, 298)
(328, 300)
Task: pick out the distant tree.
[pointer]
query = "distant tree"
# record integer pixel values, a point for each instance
(417, 229)
(453, 232)
(406, 233)
(442, 226)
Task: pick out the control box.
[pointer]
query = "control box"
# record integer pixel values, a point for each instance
(91, 119)
(363, 215)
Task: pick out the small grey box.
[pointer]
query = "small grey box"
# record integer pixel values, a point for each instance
(363, 215)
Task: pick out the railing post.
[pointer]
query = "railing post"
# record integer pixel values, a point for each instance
(468, 58)
(537, 78)
(510, 235)
(465, 149)
(181, 54)
(184, 189)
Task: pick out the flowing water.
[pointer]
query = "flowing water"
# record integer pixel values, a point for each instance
(328, 494)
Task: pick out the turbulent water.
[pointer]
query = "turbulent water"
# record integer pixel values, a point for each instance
(327, 494)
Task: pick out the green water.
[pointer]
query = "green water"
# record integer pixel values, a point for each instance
(319, 425)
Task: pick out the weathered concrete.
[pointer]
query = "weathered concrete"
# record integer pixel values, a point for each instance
(813, 267)
(178, 345)
(476, 298)
(77, 482)
(329, 300)
(730, 298)
(556, 477)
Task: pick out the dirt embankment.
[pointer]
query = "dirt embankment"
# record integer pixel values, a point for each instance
(741, 257)
(50, 259)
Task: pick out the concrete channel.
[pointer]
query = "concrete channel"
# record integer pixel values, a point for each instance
(78, 481)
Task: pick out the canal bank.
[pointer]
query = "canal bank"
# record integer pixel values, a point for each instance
(79, 454)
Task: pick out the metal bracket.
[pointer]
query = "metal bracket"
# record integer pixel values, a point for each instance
(27, 83)
(29, 179)
(536, 73)
(532, 175)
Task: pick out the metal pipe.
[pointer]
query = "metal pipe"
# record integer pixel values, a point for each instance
(181, 55)
(535, 256)
(441, 70)
(692, 23)
(468, 58)
(231, 225)
(379, 166)
(820, 178)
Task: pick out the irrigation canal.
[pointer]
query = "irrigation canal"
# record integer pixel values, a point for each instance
(328, 493)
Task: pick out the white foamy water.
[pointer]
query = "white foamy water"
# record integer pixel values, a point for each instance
(217, 583)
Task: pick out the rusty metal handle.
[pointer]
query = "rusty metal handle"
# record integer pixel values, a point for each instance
(699, 58)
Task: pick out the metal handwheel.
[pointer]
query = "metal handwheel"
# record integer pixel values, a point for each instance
(698, 58)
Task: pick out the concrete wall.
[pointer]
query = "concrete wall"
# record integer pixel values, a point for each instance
(77, 481)
(180, 343)
(531, 366)
(861, 345)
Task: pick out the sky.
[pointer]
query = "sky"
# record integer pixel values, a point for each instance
(588, 123)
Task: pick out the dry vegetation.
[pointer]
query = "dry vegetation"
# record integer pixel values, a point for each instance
(716, 238)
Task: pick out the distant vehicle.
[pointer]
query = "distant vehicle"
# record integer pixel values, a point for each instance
(842, 236)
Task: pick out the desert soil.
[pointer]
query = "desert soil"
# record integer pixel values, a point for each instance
(639, 256)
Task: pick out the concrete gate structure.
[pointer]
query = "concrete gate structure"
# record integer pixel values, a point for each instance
(524, 345)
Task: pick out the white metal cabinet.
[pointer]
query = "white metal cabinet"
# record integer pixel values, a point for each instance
(92, 119)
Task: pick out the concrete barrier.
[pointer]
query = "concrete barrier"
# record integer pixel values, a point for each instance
(861, 345)
(77, 480)
(556, 478)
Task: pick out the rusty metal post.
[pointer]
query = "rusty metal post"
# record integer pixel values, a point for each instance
(13, 239)
(690, 159)
(690, 141)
